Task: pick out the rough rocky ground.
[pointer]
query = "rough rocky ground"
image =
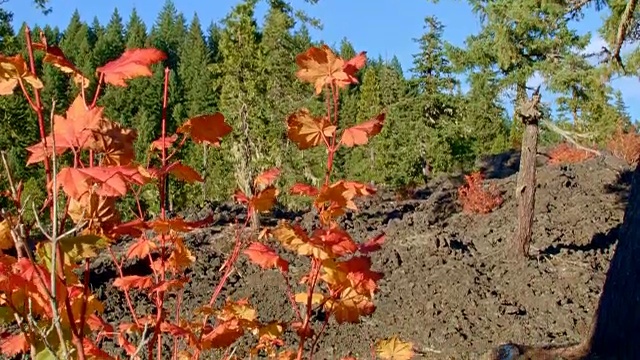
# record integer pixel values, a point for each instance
(450, 286)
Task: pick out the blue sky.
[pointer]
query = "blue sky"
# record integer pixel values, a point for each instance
(381, 27)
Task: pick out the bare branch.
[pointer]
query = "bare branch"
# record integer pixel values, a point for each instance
(569, 136)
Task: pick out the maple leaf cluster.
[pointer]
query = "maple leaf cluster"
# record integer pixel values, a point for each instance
(477, 199)
(341, 282)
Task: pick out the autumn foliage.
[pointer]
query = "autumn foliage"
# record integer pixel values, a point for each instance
(475, 197)
(566, 153)
(46, 291)
(625, 144)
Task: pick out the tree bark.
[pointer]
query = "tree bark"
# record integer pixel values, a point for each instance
(526, 186)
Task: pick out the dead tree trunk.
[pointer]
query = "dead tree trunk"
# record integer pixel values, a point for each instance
(529, 114)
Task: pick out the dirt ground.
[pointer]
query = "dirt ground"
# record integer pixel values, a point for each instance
(449, 285)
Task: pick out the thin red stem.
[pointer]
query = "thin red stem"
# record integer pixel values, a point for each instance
(163, 200)
(291, 297)
(127, 297)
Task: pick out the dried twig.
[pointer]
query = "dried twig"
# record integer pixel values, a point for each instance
(143, 342)
(569, 136)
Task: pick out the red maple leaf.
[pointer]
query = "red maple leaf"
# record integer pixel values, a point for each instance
(131, 64)
(265, 257)
(266, 178)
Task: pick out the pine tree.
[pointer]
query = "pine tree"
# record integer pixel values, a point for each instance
(136, 31)
(436, 104)
(110, 43)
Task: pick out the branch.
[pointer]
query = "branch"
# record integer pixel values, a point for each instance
(627, 16)
(567, 135)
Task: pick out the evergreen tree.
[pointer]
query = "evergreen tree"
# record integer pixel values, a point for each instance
(517, 39)
(239, 99)
(199, 98)
(110, 43)
(136, 31)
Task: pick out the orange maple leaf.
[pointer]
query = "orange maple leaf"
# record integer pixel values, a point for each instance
(38, 152)
(359, 273)
(168, 225)
(180, 258)
(265, 257)
(395, 349)
(266, 178)
(349, 307)
(109, 181)
(361, 133)
(131, 64)
(76, 129)
(168, 285)
(294, 238)
(308, 131)
(264, 200)
(14, 69)
(141, 248)
(336, 240)
(115, 143)
(133, 282)
(99, 211)
(321, 66)
(223, 335)
(207, 129)
(55, 56)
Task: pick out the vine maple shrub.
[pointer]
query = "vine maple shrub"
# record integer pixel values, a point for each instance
(566, 153)
(475, 198)
(44, 290)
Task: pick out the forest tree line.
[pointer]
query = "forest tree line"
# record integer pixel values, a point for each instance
(247, 72)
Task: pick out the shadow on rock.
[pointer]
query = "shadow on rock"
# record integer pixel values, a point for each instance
(599, 242)
(621, 186)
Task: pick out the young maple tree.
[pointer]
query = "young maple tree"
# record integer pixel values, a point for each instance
(56, 313)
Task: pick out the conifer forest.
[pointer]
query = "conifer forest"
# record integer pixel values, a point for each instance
(182, 190)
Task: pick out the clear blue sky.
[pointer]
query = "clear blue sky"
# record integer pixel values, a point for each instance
(381, 27)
